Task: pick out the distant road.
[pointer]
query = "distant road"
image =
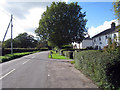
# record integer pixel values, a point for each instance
(37, 71)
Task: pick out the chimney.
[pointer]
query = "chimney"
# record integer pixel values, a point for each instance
(113, 26)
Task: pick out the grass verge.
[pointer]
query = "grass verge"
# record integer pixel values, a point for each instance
(57, 56)
(9, 57)
(72, 62)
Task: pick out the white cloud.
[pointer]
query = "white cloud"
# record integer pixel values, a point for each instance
(32, 20)
(66, 1)
(60, 0)
(27, 24)
(95, 30)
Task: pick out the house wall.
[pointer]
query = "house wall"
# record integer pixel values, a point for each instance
(86, 43)
(83, 44)
(76, 44)
(102, 41)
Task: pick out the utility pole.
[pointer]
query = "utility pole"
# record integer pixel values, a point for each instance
(10, 23)
(11, 35)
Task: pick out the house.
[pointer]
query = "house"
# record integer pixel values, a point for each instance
(87, 42)
(100, 40)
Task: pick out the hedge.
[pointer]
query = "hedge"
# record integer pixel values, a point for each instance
(9, 57)
(101, 67)
(69, 52)
(20, 50)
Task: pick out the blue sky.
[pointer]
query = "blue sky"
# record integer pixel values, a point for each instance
(27, 15)
(97, 12)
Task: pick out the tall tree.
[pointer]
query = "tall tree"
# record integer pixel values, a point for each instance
(26, 41)
(62, 24)
(22, 41)
(116, 6)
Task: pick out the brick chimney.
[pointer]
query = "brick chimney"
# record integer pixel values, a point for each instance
(113, 26)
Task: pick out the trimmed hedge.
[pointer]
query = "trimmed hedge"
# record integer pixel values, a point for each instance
(9, 57)
(20, 50)
(102, 67)
(69, 52)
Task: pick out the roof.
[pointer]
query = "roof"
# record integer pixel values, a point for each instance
(105, 32)
(88, 38)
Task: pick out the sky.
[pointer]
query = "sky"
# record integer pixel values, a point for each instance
(27, 13)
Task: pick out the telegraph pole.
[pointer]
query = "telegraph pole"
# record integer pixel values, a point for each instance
(10, 23)
(11, 35)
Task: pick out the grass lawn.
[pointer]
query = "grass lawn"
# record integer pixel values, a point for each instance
(57, 56)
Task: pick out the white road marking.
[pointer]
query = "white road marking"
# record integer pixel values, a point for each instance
(7, 74)
(26, 61)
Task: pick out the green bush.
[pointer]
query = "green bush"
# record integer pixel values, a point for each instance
(102, 67)
(68, 54)
(8, 57)
(20, 50)
(67, 46)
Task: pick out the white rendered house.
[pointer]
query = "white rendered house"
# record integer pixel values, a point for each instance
(87, 42)
(101, 40)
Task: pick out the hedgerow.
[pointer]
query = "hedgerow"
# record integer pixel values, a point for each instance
(102, 67)
(9, 57)
(20, 50)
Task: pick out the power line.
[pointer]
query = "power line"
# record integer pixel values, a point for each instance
(5, 12)
(19, 24)
(13, 18)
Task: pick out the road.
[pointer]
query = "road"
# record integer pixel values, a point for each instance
(37, 71)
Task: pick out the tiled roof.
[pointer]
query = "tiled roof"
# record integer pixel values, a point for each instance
(88, 38)
(105, 32)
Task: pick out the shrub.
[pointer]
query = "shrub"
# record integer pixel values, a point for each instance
(68, 54)
(67, 46)
(20, 50)
(89, 48)
(111, 45)
(13, 56)
(102, 67)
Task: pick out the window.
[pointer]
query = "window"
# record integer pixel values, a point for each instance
(100, 42)
(99, 38)
(106, 37)
(115, 36)
(94, 40)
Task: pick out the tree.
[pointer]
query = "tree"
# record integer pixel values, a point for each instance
(62, 24)
(42, 44)
(116, 6)
(21, 41)
(26, 41)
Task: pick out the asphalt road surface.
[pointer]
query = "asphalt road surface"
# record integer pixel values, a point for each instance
(37, 71)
